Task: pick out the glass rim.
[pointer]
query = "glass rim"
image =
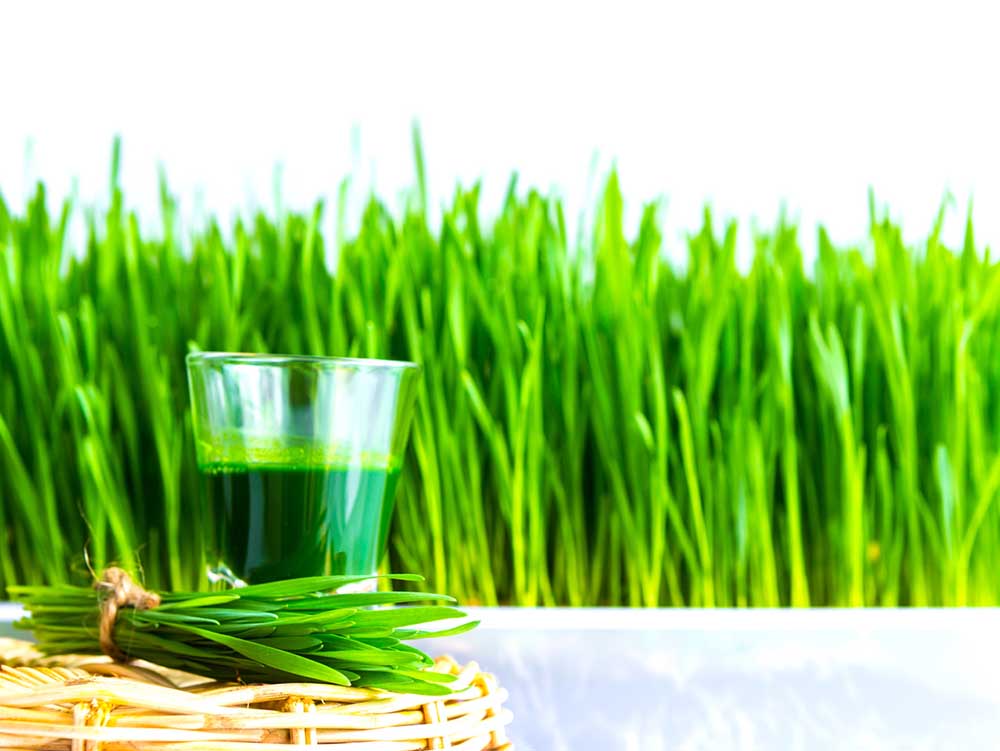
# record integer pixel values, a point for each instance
(326, 363)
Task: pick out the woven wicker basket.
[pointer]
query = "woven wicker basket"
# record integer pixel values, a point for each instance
(92, 704)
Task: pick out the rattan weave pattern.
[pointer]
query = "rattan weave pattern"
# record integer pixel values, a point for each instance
(92, 704)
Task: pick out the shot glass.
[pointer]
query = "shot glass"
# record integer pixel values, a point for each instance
(299, 457)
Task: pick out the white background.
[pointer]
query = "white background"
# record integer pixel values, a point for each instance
(747, 105)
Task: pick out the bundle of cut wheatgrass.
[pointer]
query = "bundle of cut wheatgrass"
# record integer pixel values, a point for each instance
(275, 632)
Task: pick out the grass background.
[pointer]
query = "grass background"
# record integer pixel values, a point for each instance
(594, 425)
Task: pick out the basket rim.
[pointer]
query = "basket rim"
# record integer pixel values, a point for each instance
(71, 700)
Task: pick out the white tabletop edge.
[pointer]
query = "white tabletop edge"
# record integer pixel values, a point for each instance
(732, 619)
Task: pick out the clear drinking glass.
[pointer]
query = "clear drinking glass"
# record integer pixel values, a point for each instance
(299, 458)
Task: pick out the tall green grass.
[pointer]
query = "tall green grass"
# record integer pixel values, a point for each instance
(594, 425)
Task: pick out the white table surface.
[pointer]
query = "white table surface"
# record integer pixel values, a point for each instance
(650, 680)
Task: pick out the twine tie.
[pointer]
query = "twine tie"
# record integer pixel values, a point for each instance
(121, 591)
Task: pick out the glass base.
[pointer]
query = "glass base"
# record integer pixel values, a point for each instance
(222, 574)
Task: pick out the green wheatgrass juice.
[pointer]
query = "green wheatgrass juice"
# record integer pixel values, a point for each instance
(278, 519)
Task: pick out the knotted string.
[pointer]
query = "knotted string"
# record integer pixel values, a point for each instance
(121, 591)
